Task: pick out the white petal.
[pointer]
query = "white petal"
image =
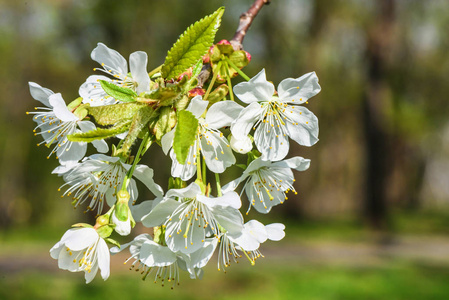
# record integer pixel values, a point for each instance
(145, 175)
(167, 141)
(246, 120)
(230, 199)
(229, 218)
(187, 170)
(138, 66)
(80, 238)
(92, 92)
(54, 251)
(100, 145)
(177, 242)
(257, 89)
(256, 165)
(299, 90)
(60, 109)
(191, 191)
(298, 163)
(141, 209)
(275, 231)
(232, 185)
(103, 258)
(306, 131)
(271, 141)
(216, 152)
(73, 154)
(160, 212)
(197, 106)
(111, 58)
(201, 257)
(222, 114)
(40, 93)
(155, 255)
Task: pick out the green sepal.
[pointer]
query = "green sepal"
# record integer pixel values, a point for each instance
(241, 166)
(75, 103)
(118, 92)
(113, 242)
(105, 231)
(99, 133)
(176, 183)
(191, 45)
(218, 94)
(185, 134)
(112, 114)
(253, 155)
(165, 123)
(159, 235)
(121, 207)
(81, 111)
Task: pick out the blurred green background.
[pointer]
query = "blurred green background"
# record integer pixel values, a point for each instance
(371, 218)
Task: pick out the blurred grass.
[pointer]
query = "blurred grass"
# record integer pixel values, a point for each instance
(266, 281)
(27, 271)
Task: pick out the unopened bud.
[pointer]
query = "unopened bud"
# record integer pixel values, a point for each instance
(242, 146)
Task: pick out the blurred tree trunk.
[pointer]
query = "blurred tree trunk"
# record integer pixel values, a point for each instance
(375, 109)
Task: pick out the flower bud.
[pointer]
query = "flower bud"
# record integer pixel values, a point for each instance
(121, 216)
(242, 146)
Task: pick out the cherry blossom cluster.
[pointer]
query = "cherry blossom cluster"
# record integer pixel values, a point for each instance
(202, 123)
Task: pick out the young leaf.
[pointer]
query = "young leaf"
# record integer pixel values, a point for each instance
(118, 92)
(185, 134)
(112, 114)
(191, 45)
(99, 133)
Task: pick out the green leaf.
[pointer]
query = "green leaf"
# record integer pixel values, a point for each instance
(99, 133)
(185, 135)
(118, 92)
(192, 45)
(112, 114)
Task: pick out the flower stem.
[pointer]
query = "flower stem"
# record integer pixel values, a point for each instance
(237, 69)
(140, 153)
(211, 84)
(217, 180)
(204, 169)
(158, 69)
(228, 78)
(198, 166)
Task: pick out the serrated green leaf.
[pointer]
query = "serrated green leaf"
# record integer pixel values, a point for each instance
(99, 133)
(118, 92)
(185, 135)
(112, 114)
(192, 45)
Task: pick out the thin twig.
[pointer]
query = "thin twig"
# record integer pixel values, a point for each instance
(245, 22)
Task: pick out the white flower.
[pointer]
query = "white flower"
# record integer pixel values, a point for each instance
(115, 65)
(99, 177)
(82, 249)
(56, 122)
(209, 140)
(121, 227)
(151, 258)
(193, 217)
(267, 182)
(277, 117)
(248, 241)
